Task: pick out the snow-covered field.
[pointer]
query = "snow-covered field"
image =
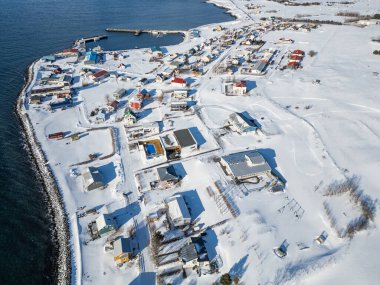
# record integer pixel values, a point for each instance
(318, 124)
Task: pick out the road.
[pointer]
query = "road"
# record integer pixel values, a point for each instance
(129, 185)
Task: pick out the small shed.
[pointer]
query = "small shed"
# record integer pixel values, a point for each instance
(119, 93)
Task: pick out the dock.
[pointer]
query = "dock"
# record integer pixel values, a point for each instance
(137, 32)
(91, 39)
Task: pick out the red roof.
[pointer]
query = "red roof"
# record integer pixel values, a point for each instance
(242, 83)
(296, 57)
(179, 80)
(100, 73)
(297, 51)
(71, 50)
(293, 64)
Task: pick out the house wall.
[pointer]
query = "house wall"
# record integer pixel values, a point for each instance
(94, 185)
(106, 231)
(124, 257)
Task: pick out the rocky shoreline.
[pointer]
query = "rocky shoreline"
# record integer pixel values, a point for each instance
(56, 204)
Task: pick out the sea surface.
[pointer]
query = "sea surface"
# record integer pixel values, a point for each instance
(30, 29)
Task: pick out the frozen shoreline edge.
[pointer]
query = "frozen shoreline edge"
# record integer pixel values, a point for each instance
(50, 185)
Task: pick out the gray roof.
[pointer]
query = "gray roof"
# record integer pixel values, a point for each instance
(188, 253)
(121, 245)
(260, 66)
(184, 137)
(196, 249)
(244, 163)
(167, 173)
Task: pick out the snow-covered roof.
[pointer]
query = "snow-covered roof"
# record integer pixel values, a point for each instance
(241, 121)
(168, 140)
(178, 208)
(105, 220)
(91, 175)
(121, 245)
(245, 163)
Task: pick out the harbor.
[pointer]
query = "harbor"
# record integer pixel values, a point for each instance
(138, 32)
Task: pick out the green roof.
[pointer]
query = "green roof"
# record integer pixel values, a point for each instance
(129, 112)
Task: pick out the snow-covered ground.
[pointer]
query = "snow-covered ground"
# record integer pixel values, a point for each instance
(319, 124)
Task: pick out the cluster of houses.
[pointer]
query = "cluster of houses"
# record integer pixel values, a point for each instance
(295, 59)
(55, 84)
(246, 166)
(173, 145)
(173, 223)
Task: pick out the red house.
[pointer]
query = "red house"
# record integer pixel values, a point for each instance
(179, 82)
(293, 64)
(299, 52)
(295, 57)
(99, 75)
(59, 135)
(136, 103)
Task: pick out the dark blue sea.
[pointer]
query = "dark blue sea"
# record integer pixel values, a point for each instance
(30, 29)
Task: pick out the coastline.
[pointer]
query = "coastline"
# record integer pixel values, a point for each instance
(65, 271)
(56, 204)
(64, 227)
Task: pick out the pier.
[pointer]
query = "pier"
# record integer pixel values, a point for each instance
(91, 39)
(137, 32)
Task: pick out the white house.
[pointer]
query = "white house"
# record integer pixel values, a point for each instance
(186, 141)
(194, 255)
(119, 93)
(240, 123)
(239, 88)
(179, 82)
(178, 106)
(130, 117)
(178, 212)
(105, 224)
(179, 94)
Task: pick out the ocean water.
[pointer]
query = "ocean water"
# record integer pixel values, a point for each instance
(30, 29)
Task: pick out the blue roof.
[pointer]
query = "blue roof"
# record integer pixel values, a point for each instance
(91, 56)
(155, 48)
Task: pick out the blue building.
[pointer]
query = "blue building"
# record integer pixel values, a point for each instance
(91, 57)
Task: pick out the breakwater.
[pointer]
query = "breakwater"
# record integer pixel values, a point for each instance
(62, 231)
